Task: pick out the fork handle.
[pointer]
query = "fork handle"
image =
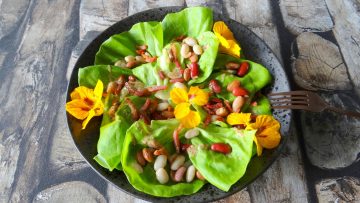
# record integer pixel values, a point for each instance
(346, 112)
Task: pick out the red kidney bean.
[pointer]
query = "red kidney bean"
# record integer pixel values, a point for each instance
(221, 147)
(244, 67)
(234, 84)
(194, 70)
(239, 91)
(214, 86)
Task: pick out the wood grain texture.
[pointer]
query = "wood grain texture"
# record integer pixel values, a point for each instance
(141, 5)
(341, 190)
(74, 191)
(64, 158)
(98, 15)
(35, 76)
(11, 14)
(332, 140)
(305, 16)
(216, 5)
(346, 15)
(284, 181)
(318, 65)
(257, 16)
(243, 196)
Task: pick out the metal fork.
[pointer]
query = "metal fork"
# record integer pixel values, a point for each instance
(304, 100)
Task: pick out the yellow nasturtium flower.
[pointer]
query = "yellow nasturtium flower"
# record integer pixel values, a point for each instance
(267, 134)
(86, 103)
(228, 43)
(183, 100)
(239, 119)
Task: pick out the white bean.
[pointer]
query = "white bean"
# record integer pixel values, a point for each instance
(179, 161)
(238, 103)
(190, 41)
(191, 133)
(162, 176)
(197, 49)
(190, 173)
(215, 118)
(180, 85)
(163, 95)
(160, 162)
(185, 51)
(120, 63)
(129, 59)
(137, 167)
(162, 106)
(139, 59)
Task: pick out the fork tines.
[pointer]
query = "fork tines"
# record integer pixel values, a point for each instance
(289, 100)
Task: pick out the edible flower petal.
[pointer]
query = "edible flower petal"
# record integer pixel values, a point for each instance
(198, 96)
(267, 135)
(239, 118)
(182, 110)
(191, 120)
(86, 103)
(228, 44)
(179, 95)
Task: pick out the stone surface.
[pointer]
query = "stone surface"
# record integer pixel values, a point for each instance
(331, 139)
(341, 190)
(305, 16)
(317, 64)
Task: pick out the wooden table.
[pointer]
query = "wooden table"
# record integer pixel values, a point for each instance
(317, 41)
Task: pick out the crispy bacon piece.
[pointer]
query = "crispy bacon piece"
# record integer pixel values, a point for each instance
(177, 139)
(177, 80)
(146, 105)
(133, 109)
(157, 88)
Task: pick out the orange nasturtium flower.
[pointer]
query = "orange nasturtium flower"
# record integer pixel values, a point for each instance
(86, 103)
(183, 100)
(228, 43)
(267, 134)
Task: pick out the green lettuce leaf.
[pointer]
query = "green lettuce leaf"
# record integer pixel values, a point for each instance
(209, 41)
(263, 106)
(146, 181)
(222, 170)
(189, 22)
(112, 133)
(88, 76)
(124, 44)
(148, 73)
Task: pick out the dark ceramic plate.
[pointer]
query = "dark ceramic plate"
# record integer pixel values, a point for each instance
(254, 49)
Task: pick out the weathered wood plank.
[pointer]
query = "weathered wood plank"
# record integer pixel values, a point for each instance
(216, 5)
(256, 15)
(35, 78)
(98, 15)
(141, 5)
(344, 189)
(75, 191)
(242, 196)
(285, 180)
(318, 64)
(332, 140)
(346, 16)
(64, 159)
(11, 13)
(115, 195)
(305, 16)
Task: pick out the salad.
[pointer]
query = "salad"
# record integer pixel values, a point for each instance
(181, 107)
